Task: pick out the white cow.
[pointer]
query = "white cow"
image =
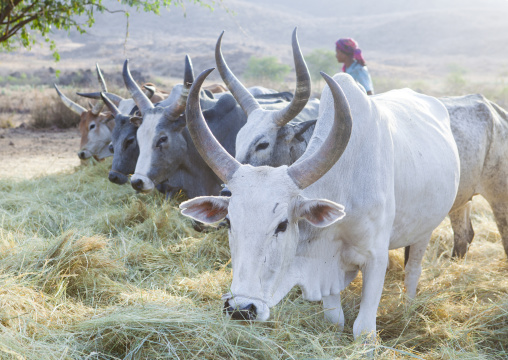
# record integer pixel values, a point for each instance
(395, 170)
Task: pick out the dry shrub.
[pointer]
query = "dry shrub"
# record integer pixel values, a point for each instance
(6, 122)
(49, 111)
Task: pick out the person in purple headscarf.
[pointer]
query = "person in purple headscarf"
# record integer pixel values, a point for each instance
(348, 53)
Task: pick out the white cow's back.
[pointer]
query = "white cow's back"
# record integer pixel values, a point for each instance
(401, 163)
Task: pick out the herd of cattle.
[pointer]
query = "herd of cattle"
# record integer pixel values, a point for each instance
(262, 161)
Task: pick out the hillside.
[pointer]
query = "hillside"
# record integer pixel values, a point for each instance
(420, 36)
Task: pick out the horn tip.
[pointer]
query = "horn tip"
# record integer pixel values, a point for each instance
(219, 40)
(188, 61)
(329, 80)
(323, 74)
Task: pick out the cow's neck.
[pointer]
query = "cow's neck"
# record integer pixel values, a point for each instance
(200, 180)
(317, 266)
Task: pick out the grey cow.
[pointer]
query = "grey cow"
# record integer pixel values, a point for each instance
(175, 157)
(124, 143)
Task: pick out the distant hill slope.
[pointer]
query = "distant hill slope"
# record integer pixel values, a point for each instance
(424, 34)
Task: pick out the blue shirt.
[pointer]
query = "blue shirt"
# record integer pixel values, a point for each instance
(361, 75)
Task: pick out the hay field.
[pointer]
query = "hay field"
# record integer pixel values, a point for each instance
(91, 270)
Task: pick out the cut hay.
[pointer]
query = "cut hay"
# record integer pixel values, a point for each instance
(91, 270)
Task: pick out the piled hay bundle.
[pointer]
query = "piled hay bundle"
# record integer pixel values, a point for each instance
(90, 270)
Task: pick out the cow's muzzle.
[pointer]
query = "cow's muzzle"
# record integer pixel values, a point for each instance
(84, 154)
(142, 183)
(248, 312)
(117, 177)
(245, 307)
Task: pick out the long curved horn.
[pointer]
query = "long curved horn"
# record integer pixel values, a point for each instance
(97, 108)
(97, 95)
(78, 109)
(302, 92)
(309, 170)
(139, 97)
(104, 88)
(240, 92)
(219, 160)
(114, 110)
(176, 109)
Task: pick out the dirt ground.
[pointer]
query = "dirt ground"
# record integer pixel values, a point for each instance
(26, 153)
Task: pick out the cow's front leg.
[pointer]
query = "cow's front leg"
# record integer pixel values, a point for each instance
(373, 273)
(333, 310)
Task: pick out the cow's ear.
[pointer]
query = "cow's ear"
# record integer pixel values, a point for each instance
(136, 120)
(302, 128)
(207, 209)
(319, 212)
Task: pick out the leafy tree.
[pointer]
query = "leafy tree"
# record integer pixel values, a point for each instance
(267, 68)
(21, 21)
(321, 60)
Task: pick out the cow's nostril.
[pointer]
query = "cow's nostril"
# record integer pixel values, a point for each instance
(247, 313)
(113, 177)
(81, 155)
(137, 184)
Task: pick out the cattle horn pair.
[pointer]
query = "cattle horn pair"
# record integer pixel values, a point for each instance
(304, 172)
(97, 108)
(144, 104)
(249, 103)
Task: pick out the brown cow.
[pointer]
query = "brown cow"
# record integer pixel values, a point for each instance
(216, 88)
(155, 95)
(95, 127)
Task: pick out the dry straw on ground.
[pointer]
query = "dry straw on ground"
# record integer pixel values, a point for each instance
(91, 270)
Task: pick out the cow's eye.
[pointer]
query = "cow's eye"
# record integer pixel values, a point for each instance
(282, 227)
(111, 148)
(162, 140)
(262, 146)
(92, 126)
(128, 142)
